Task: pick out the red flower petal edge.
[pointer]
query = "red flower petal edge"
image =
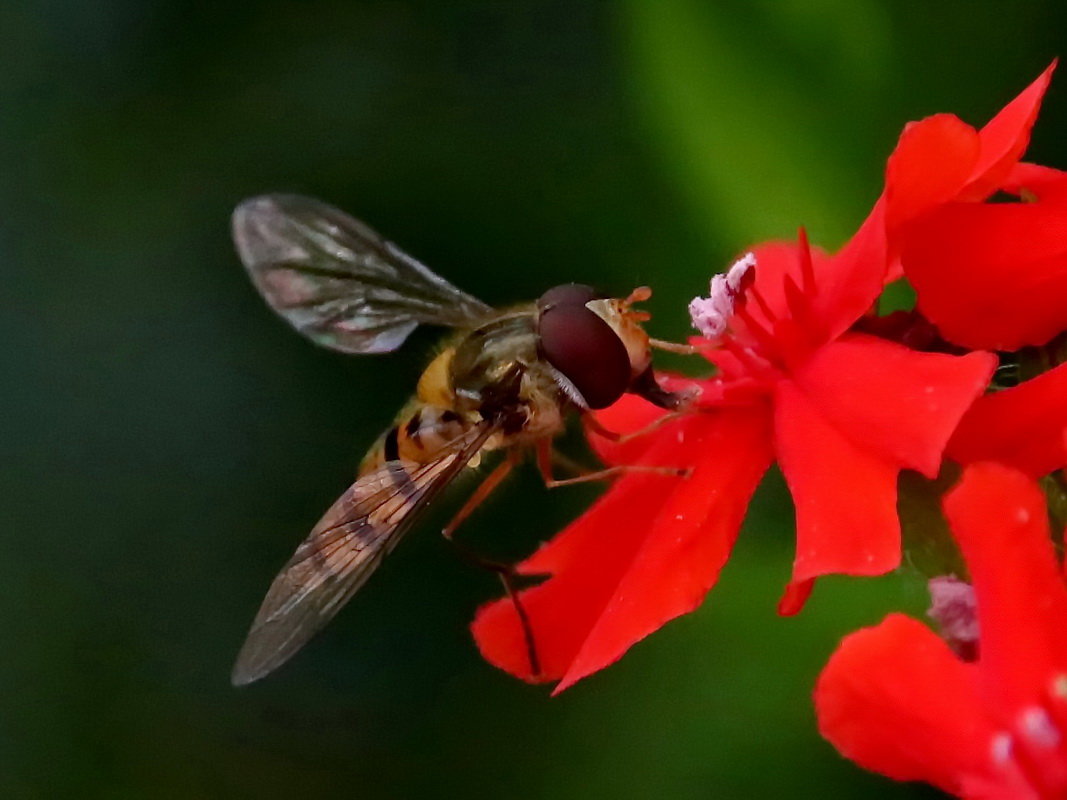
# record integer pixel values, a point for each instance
(898, 404)
(859, 411)
(942, 159)
(845, 497)
(623, 569)
(1005, 138)
(999, 518)
(896, 700)
(1022, 426)
(929, 166)
(991, 275)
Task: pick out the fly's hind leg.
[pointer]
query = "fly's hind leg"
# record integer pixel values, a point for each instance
(506, 572)
(485, 488)
(567, 463)
(544, 466)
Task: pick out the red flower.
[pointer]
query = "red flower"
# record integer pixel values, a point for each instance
(1022, 426)
(896, 700)
(941, 159)
(990, 276)
(627, 566)
(842, 412)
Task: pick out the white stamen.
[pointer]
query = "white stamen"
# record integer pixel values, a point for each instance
(1039, 728)
(711, 314)
(1000, 748)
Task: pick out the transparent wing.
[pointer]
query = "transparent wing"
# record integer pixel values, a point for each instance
(342, 551)
(337, 281)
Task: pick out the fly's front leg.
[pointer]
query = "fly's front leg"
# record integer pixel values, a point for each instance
(594, 426)
(544, 465)
(653, 426)
(590, 420)
(506, 572)
(674, 347)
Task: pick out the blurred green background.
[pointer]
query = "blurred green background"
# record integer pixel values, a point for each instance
(167, 442)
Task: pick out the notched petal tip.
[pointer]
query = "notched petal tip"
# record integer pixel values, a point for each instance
(894, 699)
(795, 597)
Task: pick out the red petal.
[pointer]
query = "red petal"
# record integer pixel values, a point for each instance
(1005, 138)
(1035, 180)
(795, 597)
(930, 165)
(849, 284)
(894, 699)
(845, 497)
(1021, 427)
(991, 276)
(592, 552)
(645, 553)
(999, 517)
(630, 414)
(898, 404)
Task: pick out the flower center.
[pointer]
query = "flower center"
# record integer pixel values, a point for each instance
(763, 334)
(954, 608)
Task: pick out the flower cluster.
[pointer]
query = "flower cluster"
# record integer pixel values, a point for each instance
(896, 699)
(810, 377)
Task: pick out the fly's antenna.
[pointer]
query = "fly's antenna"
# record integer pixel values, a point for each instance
(638, 295)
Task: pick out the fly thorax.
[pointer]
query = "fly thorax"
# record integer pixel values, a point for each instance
(489, 363)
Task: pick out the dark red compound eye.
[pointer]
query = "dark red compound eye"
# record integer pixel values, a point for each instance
(582, 346)
(568, 294)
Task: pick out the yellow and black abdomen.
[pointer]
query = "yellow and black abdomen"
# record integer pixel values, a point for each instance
(417, 436)
(425, 424)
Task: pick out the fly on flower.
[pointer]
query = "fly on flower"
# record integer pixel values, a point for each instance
(505, 380)
(811, 377)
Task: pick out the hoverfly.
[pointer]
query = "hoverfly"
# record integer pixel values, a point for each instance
(505, 380)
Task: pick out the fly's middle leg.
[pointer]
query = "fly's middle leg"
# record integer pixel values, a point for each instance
(506, 572)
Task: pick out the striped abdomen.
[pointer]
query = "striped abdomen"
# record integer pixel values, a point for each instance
(417, 436)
